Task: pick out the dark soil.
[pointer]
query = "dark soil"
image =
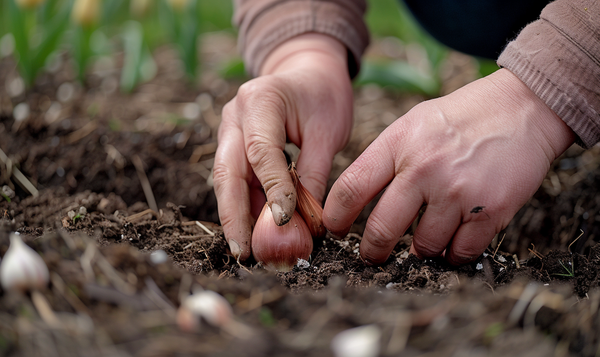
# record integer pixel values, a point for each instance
(533, 293)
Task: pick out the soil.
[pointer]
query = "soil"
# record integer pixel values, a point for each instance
(121, 265)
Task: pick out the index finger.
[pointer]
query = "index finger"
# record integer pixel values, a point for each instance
(232, 174)
(357, 186)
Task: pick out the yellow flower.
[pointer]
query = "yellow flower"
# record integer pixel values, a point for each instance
(178, 5)
(139, 8)
(29, 4)
(86, 12)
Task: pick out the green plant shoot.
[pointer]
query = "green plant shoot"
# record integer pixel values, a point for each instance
(182, 21)
(37, 31)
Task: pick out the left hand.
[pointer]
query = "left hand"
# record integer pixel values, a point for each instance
(474, 157)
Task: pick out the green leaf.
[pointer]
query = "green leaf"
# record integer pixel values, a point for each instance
(52, 34)
(19, 31)
(110, 11)
(48, 11)
(400, 76)
(133, 45)
(234, 69)
(168, 20)
(81, 48)
(487, 67)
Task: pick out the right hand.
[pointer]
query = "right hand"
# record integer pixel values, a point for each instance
(304, 96)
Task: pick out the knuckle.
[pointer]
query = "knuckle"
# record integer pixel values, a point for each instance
(380, 235)
(256, 149)
(259, 93)
(220, 174)
(349, 192)
(426, 248)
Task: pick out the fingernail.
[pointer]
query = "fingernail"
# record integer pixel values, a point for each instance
(340, 234)
(368, 262)
(279, 215)
(458, 260)
(234, 247)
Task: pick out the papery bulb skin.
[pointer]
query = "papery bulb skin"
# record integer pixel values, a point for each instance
(280, 247)
(22, 268)
(308, 206)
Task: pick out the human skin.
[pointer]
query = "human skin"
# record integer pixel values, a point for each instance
(303, 95)
(474, 157)
(488, 144)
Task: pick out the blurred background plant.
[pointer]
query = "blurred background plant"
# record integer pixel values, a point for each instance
(413, 61)
(36, 28)
(36, 31)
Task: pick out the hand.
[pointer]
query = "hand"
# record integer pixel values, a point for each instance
(474, 157)
(303, 95)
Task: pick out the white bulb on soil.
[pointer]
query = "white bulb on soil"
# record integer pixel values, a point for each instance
(22, 268)
(360, 341)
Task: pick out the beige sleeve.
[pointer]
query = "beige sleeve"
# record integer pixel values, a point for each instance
(264, 24)
(558, 57)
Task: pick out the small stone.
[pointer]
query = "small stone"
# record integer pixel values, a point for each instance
(303, 264)
(21, 111)
(158, 257)
(191, 111)
(65, 92)
(16, 87)
(8, 192)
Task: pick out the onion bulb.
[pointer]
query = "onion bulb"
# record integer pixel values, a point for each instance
(280, 247)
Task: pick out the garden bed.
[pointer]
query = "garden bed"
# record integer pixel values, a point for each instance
(120, 270)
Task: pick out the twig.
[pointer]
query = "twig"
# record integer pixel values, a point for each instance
(312, 328)
(158, 297)
(139, 167)
(534, 252)
(201, 150)
(79, 134)
(241, 266)
(43, 307)
(576, 239)
(498, 246)
(205, 229)
(192, 237)
(516, 261)
(86, 262)
(18, 175)
(135, 217)
(68, 294)
(400, 333)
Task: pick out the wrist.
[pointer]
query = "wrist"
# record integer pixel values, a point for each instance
(303, 50)
(552, 129)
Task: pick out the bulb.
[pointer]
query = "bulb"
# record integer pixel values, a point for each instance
(207, 304)
(280, 247)
(362, 341)
(22, 268)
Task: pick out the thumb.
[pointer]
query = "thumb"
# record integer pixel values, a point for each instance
(264, 108)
